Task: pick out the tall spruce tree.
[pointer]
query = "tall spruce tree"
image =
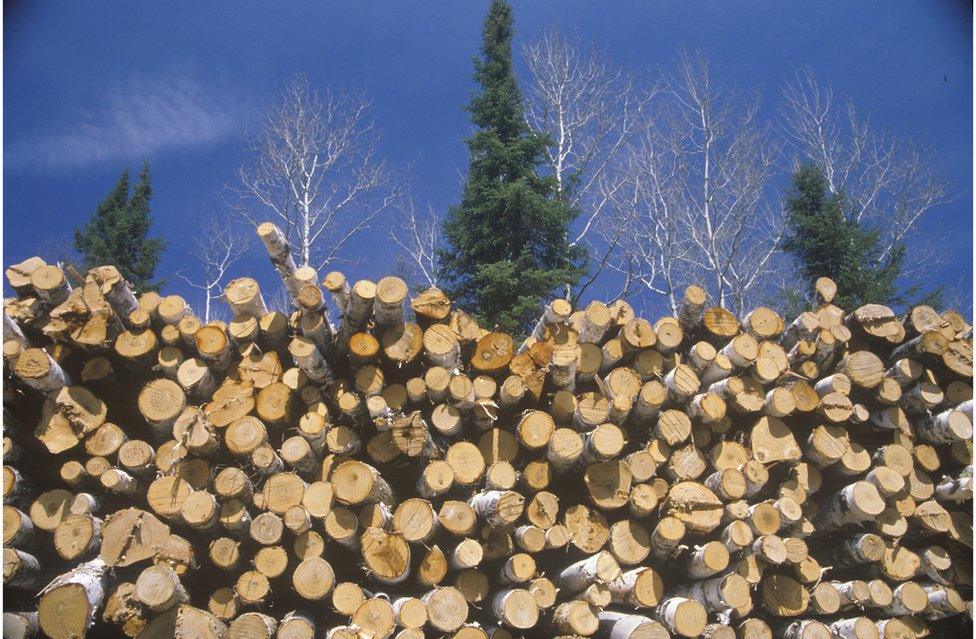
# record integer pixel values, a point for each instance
(826, 241)
(508, 236)
(118, 233)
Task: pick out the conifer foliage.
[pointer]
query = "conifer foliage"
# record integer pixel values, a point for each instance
(508, 236)
(825, 240)
(118, 233)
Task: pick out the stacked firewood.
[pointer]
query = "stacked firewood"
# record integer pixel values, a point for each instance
(401, 471)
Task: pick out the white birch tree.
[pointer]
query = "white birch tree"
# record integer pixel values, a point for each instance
(589, 108)
(315, 172)
(889, 182)
(218, 244)
(696, 194)
(417, 236)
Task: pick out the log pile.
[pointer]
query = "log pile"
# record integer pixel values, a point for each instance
(404, 472)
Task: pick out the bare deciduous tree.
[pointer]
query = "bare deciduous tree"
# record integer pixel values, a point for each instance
(589, 109)
(417, 236)
(219, 243)
(316, 173)
(695, 198)
(889, 182)
(646, 202)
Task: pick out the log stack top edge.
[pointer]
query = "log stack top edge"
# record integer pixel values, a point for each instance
(373, 462)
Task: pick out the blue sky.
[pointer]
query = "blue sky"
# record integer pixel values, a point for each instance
(92, 87)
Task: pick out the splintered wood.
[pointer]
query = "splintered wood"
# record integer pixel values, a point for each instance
(376, 464)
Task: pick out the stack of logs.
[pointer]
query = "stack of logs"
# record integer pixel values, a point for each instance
(403, 472)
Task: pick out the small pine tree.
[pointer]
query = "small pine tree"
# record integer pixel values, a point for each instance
(118, 233)
(508, 236)
(826, 241)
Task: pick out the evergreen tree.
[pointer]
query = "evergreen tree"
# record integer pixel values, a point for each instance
(826, 241)
(118, 233)
(508, 236)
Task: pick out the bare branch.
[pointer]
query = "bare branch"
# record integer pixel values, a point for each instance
(315, 173)
(418, 237)
(589, 109)
(888, 182)
(280, 300)
(60, 250)
(219, 243)
(696, 199)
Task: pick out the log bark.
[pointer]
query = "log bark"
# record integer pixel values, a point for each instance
(68, 605)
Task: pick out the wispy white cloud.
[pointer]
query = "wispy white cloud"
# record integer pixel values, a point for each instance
(130, 122)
